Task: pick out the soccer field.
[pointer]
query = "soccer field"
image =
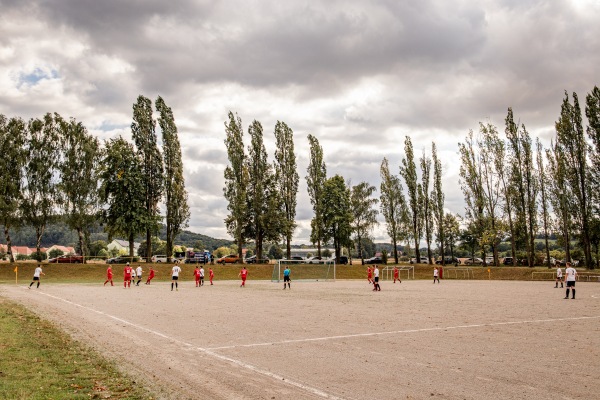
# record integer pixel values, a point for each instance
(340, 340)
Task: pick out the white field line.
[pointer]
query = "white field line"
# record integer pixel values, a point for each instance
(209, 352)
(317, 339)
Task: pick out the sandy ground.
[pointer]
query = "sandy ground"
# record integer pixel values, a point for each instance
(415, 340)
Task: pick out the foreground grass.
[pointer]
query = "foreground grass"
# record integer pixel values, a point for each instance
(96, 273)
(37, 361)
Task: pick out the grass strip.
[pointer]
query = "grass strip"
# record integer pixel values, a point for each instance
(38, 361)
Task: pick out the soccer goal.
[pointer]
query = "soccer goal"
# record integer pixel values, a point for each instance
(300, 271)
(388, 272)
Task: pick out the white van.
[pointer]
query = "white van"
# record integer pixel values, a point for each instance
(159, 259)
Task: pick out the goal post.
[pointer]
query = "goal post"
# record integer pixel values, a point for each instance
(301, 271)
(387, 273)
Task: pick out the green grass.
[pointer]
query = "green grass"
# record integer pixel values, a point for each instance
(37, 361)
(96, 273)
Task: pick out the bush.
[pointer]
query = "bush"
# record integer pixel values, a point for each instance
(103, 253)
(384, 257)
(22, 257)
(41, 256)
(55, 253)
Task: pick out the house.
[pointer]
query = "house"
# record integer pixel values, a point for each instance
(64, 249)
(122, 245)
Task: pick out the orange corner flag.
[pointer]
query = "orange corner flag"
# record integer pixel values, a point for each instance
(16, 269)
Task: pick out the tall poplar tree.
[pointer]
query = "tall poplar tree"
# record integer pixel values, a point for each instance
(393, 207)
(177, 209)
(143, 132)
(236, 181)
(543, 179)
(570, 137)
(41, 174)
(122, 191)
(426, 203)
(408, 171)
(364, 215)
(315, 180)
(286, 179)
(592, 112)
(12, 141)
(79, 178)
(437, 201)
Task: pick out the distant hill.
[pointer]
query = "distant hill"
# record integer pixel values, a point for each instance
(59, 233)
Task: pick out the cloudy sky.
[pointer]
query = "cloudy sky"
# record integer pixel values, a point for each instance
(359, 75)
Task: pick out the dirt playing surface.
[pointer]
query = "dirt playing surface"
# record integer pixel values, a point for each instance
(457, 340)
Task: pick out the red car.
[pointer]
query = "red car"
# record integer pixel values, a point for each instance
(231, 259)
(71, 259)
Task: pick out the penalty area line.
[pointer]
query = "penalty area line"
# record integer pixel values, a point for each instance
(210, 352)
(433, 329)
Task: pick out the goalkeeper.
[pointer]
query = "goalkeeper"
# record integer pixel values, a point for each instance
(286, 277)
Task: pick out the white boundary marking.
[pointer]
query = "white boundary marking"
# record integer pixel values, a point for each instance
(209, 352)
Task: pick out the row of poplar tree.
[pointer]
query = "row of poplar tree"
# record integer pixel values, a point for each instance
(513, 191)
(53, 168)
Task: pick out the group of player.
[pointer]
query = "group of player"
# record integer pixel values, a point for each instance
(571, 277)
(130, 274)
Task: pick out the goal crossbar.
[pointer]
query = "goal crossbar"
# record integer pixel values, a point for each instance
(387, 273)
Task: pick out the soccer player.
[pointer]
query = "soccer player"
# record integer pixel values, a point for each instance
(197, 276)
(558, 277)
(109, 276)
(201, 276)
(150, 276)
(36, 276)
(286, 277)
(211, 275)
(175, 276)
(397, 275)
(243, 274)
(127, 271)
(139, 275)
(133, 275)
(369, 275)
(376, 279)
(436, 275)
(571, 274)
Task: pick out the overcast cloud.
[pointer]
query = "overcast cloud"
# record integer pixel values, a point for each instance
(358, 75)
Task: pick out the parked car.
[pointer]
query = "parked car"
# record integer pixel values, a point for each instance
(318, 260)
(344, 260)
(423, 260)
(448, 261)
(473, 261)
(507, 261)
(121, 260)
(374, 260)
(159, 259)
(297, 260)
(489, 260)
(252, 260)
(229, 259)
(70, 258)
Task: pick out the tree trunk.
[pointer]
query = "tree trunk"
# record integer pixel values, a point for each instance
(288, 246)
(131, 246)
(148, 245)
(395, 244)
(8, 243)
(39, 231)
(80, 239)
(319, 247)
(169, 243)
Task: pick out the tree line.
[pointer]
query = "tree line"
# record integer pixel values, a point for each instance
(53, 167)
(514, 190)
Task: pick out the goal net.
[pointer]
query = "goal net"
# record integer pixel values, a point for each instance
(301, 271)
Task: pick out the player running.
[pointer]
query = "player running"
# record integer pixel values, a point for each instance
(150, 276)
(127, 271)
(36, 277)
(109, 276)
(397, 275)
(211, 275)
(243, 274)
(436, 275)
(139, 275)
(286, 277)
(369, 275)
(201, 276)
(376, 286)
(175, 276)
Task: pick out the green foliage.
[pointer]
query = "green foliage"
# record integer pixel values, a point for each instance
(408, 171)
(393, 207)
(158, 247)
(102, 253)
(364, 214)
(55, 253)
(275, 252)
(223, 251)
(97, 246)
(315, 180)
(22, 257)
(337, 213)
(38, 256)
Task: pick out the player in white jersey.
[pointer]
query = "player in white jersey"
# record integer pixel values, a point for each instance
(175, 276)
(559, 277)
(139, 271)
(571, 274)
(36, 276)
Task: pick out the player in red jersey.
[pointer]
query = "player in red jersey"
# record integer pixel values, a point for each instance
(127, 276)
(243, 274)
(150, 276)
(369, 275)
(197, 276)
(109, 276)
(396, 275)
(211, 275)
